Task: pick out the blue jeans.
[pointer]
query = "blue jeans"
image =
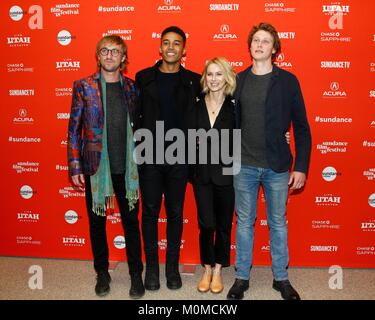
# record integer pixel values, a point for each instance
(275, 186)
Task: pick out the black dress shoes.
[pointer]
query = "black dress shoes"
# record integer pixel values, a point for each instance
(286, 290)
(238, 289)
(173, 277)
(103, 279)
(137, 290)
(152, 282)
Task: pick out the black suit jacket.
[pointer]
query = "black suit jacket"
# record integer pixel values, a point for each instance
(284, 106)
(211, 172)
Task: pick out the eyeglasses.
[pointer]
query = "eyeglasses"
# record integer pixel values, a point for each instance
(104, 51)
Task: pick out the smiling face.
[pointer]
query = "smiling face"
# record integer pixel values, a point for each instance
(215, 78)
(261, 47)
(172, 48)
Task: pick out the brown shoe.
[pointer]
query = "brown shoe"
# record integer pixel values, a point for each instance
(217, 282)
(204, 284)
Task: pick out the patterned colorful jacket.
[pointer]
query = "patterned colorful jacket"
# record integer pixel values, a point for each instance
(87, 119)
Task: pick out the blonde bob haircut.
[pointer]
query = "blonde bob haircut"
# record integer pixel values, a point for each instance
(229, 74)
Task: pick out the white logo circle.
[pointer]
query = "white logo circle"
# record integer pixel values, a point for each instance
(26, 192)
(371, 200)
(329, 174)
(224, 28)
(64, 37)
(71, 217)
(119, 242)
(16, 13)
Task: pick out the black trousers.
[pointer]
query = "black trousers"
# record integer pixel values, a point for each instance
(156, 180)
(130, 224)
(215, 206)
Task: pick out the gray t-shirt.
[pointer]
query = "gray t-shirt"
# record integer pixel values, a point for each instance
(253, 140)
(116, 127)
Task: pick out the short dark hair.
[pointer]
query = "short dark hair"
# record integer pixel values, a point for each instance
(271, 29)
(174, 29)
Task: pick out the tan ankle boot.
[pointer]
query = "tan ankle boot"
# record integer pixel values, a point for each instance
(217, 282)
(204, 283)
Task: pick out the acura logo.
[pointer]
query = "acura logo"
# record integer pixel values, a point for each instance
(168, 2)
(224, 28)
(22, 112)
(334, 86)
(280, 57)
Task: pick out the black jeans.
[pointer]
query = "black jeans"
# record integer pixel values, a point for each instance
(130, 224)
(215, 215)
(156, 180)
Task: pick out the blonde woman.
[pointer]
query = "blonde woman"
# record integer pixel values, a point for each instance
(213, 191)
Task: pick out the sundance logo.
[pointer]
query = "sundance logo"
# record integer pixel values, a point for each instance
(64, 37)
(70, 192)
(125, 34)
(116, 9)
(68, 65)
(26, 167)
(16, 13)
(278, 7)
(332, 119)
(329, 174)
(281, 62)
(369, 174)
(332, 147)
(328, 200)
(334, 91)
(21, 92)
(18, 67)
(19, 41)
(73, 241)
(114, 218)
(119, 242)
(66, 9)
(71, 217)
(371, 200)
(225, 34)
(26, 192)
(335, 64)
(163, 244)
(27, 216)
(22, 117)
(320, 248)
(224, 7)
(169, 6)
(63, 92)
(24, 139)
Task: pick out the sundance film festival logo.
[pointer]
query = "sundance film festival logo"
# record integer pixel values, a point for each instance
(329, 174)
(281, 62)
(70, 192)
(16, 13)
(369, 174)
(324, 248)
(27, 240)
(21, 92)
(114, 218)
(63, 92)
(64, 37)
(68, 65)
(125, 34)
(368, 226)
(169, 6)
(163, 244)
(320, 119)
(273, 7)
(335, 64)
(224, 7)
(22, 117)
(225, 34)
(324, 224)
(328, 200)
(19, 40)
(332, 147)
(73, 241)
(71, 217)
(27, 216)
(26, 167)
(119, 242)
(66, 9)
(368, 250)
(26, 192)
(18, 67)
(334, 91)
(371, 200)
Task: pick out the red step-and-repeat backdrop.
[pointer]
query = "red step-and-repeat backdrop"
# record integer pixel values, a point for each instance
(329, 45)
